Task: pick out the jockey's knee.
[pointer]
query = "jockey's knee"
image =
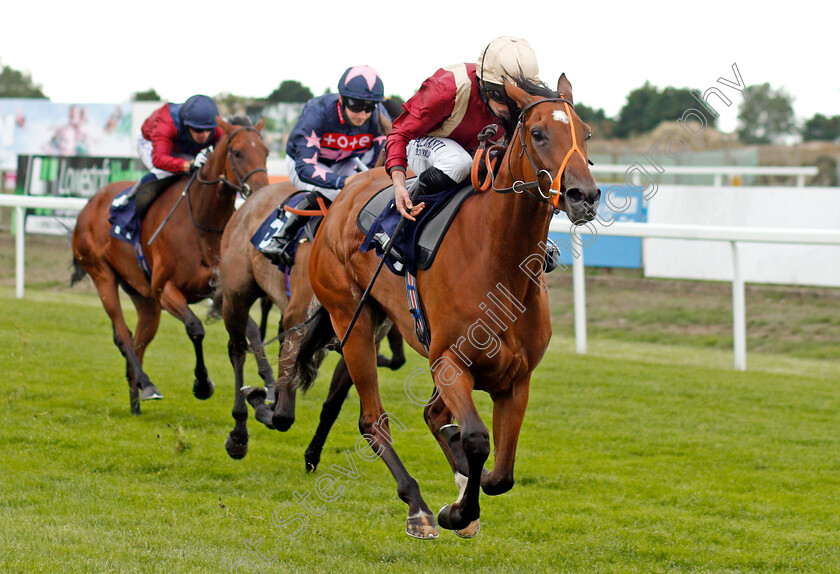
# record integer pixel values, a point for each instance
(455, 164)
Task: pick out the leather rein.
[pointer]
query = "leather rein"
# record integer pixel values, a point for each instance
(554, 193)
(242, 187)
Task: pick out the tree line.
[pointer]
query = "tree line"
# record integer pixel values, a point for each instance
(767, 116)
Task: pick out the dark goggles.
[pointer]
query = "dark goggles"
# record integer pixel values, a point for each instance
(200, 130)
(358, 106)
(496, 93)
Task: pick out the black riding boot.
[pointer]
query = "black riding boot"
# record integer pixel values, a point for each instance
(278, 248)
(433, 180)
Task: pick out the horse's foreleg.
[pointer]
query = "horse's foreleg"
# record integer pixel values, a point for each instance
(255, 339)
(237, 441)
(455, 386)
(175, 303)
(106, 286)
(360, 354)
(508, 413)
(265, 308)
(339, 387)
(439, 420)
(285, 389)
(397, 345)
(148, 321)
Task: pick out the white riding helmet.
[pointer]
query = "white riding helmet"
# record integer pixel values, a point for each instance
(506, 57)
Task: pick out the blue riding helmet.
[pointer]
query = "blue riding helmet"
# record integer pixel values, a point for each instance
(200, 112)
(361, 83)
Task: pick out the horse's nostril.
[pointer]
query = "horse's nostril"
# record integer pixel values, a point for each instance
(574, 195)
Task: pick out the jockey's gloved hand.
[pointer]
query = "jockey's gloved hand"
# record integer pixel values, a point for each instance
(201, 158)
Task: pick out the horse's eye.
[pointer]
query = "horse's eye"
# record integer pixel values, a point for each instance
(237, 154)
(589, 135)
(537, 135)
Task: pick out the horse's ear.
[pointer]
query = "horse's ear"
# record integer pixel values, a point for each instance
(518, 95)
(225, 126)
(260, 125)
(564, 88)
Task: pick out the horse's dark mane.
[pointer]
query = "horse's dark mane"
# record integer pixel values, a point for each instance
(240, 120)
(534, 87)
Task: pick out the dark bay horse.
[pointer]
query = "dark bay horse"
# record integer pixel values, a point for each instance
(484, 300)
(183, 259)
(247, 275)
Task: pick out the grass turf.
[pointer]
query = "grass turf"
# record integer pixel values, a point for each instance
(634, 458)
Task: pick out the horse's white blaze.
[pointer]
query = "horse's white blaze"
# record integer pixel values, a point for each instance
(561, 116)
(461, 481)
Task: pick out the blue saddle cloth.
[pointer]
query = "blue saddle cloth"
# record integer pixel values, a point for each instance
(413, 248)
(274, 223)
(125, 225)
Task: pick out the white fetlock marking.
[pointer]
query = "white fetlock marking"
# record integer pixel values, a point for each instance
(461, 481)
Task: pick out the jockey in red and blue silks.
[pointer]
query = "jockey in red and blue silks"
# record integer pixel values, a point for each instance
(175, 134)
(176, 138)
(333, 133)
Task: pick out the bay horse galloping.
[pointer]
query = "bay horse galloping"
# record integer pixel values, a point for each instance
(183, 260)
(484, 302)
(247, 275)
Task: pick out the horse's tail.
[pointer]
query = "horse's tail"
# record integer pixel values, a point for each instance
(317, 334)
(78, 273)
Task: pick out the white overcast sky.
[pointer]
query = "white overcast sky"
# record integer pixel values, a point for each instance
(89, 51)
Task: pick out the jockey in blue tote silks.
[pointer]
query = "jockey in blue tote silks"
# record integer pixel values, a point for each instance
(333, 133)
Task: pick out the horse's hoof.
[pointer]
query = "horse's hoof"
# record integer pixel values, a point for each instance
(311, 462)
(396, 364)
(236, 450)
(253, 396)
(282, 422)
(452, 520)
(203, 391)
(422, 526)
(150, 393)
(470, 531)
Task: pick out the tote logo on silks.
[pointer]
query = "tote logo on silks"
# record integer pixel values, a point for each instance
(346, 143)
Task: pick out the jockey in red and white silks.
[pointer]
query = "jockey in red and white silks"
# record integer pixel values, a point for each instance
(437, 132)
(440, 124)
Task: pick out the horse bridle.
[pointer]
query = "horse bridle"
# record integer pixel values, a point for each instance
(555, 193)
(242, 187)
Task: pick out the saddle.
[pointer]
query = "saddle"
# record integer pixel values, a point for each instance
(419, 240)
(147, 193)
(277, 218)
(126, 219)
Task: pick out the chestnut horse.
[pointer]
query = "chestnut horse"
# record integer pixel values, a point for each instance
(487, 333)
(247, 275)
(183, 259)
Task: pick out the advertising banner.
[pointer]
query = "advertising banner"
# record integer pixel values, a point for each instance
(36, 126)
(618, 203)
(59, 176)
